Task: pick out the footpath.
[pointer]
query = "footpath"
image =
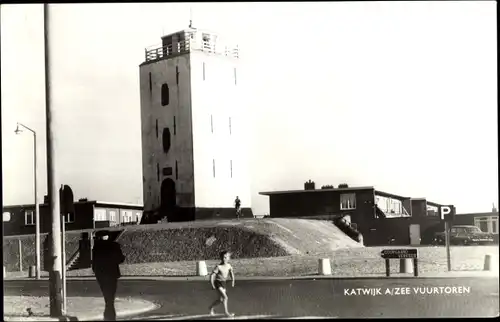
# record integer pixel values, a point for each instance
(78, 308)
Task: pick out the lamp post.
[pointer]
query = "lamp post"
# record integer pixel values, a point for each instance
(37, 208)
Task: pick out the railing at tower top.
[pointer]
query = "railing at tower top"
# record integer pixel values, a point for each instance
(187, 46)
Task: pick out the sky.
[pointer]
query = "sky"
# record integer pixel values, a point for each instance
(397, 95)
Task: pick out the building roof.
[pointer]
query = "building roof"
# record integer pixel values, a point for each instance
(430, 203)
(377, 192)
(389, 195)
(490, 213)
(117, 204)
(96, 202)
(270, 193)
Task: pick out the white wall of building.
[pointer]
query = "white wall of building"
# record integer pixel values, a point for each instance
(215, 99)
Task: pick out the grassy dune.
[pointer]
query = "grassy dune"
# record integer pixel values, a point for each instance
(203, 240)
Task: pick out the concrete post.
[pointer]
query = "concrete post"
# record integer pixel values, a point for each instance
(405, 265)
(32, 272)
(324, 267)
(201, 268)
(490, 263)
(20, 246)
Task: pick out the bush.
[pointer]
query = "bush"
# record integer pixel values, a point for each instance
(190, 244)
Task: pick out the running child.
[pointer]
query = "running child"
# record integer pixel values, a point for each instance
(218, 280)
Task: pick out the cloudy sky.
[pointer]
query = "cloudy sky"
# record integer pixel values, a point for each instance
(399, 95)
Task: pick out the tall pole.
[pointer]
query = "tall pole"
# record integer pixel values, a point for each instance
(447, 239)
(55, 283)
(37, 214)
(37, 208)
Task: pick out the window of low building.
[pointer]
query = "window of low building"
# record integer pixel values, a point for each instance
(347, 201)
(29, 218)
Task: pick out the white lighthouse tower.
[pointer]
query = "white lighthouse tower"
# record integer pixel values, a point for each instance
(194, 137)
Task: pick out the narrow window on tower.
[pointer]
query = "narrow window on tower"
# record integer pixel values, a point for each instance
(203, 70)
(165, 95)
(176, 171)
(231, 167)
(230, 130)
(175, 127)
(166, 140)
(158, 172)
(150, 83)
(213, 167)
(156, 128)
(235, 76)
(212, 123)
(177, 75)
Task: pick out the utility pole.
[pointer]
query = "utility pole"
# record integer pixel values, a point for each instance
(55, 282)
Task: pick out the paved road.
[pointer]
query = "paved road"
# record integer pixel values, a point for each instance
(182, 300)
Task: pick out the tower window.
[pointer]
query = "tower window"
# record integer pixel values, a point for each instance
(175, 127)
(203, 70)
(230, 130)
(157, 128)
(150, 83)
(158, 172)
(176, 171)
(212, 123)
(165, 95)
(231, 167)
(213, 167)
(177, 75)
(235, 76)
(167, 171)
(166, 140)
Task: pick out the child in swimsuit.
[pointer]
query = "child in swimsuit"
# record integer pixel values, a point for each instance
(218, 280)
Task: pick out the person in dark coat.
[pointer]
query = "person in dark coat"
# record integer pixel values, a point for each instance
(106, 259)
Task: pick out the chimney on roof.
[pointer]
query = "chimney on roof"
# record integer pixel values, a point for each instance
(309, 185)
(494, 209)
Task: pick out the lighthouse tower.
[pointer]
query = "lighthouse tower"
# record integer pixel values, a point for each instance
(194, 136)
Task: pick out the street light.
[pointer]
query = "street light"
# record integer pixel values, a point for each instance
(37, 208)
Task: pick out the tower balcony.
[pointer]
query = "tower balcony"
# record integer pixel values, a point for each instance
(187, 46)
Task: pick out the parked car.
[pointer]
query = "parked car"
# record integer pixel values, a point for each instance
(464, 235)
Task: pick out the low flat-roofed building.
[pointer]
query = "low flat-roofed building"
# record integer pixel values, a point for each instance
(88, 215)
(381, 217)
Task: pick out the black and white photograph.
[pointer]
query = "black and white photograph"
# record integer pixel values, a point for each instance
(249, 160)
